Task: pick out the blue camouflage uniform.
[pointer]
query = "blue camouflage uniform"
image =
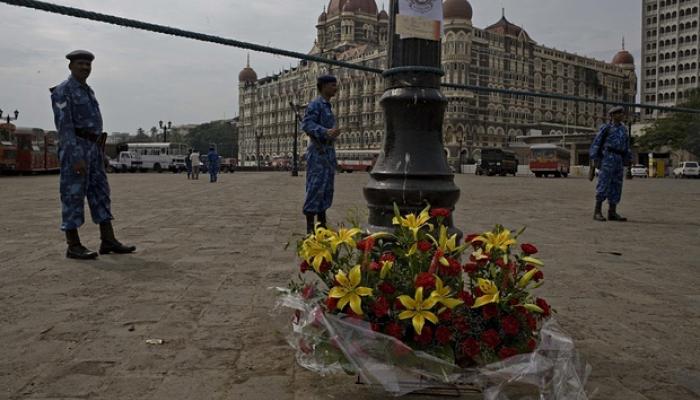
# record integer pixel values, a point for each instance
(75, 107)
(213, 158)
(615, 153)
(320, 156)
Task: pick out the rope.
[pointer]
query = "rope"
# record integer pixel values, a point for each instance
(167, 30)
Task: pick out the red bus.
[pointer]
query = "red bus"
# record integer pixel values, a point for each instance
(356, 160)
(37, 151)
(548, 159)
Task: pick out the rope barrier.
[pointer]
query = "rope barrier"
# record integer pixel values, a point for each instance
(167, 30)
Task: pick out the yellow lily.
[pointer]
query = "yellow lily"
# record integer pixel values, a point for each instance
(533, 261)
(417, 310)
(500, 240)
(414, 223)
(315, 252)
(344, 236)
(349, 290)
(442, 294)
(447, 245)
(386, 268)
(525, 280)
(491, 293)
(480, 255)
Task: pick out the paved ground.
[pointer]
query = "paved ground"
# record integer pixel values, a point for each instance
(208, 254)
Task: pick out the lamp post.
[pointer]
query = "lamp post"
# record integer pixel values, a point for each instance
(165, 128)
(296, 109)
(8, 118)
(258, 136)
(412, 168)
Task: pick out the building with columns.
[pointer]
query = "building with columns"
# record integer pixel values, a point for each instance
(502, 55)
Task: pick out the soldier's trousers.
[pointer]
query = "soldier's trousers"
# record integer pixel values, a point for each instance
(320, 181)
(93, 185)
(610, 179)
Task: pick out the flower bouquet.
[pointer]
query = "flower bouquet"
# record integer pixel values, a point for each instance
(414, 308)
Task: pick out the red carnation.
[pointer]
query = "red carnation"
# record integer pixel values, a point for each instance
(304, 266)
(366, 244)
(443, 335)
(398, 305)
(440, 212)
(380, 307)
(375, 266)
(386, 287)
(470, 239)
(467, 298)
(425, 337)
(541, 303)
(528, 248)
(424, 246)
(388, 256)
(308, 292)
(445, 315)
(510, 325)
(471, 347)
(539, 275)
(491, 338)
(325, 267)
(453, 269)
(470, 267)
(507, 352)
(425, 280)
(461, 324)
(331, 303)
(531, 345)
(394, 329)
(489, 311)
(531, 322)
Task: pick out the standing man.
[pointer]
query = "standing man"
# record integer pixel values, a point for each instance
(319, 124)
(213, 158)
(194, 159)
(611, 151)
(188, 164)
(81, 152)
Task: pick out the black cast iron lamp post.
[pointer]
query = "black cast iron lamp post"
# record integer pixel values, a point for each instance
(165, 128)
(8, 118)
(412, 168)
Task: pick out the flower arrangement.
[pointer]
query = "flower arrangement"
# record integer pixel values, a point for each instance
(469, 303)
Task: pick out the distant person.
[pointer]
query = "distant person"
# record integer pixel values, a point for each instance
(188, 164)
(319, 123)
(213, 163)
(610, 151)
(79, 124)
(194, 159)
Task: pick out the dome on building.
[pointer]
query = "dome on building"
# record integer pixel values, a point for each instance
(248, 75)
(383, 15)
(457, 9)
(322, 17)
(365, 6)
(623, 57)
(505, 27)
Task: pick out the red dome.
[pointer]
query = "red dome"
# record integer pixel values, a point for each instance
(383, 15)
(505, 27)
(248, 74)
(364, 6)
(457, 9)
(623, 57)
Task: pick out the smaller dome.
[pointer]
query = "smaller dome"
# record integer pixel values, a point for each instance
(623, 57)
(351, 6)
(383, 15)
(322, 17)
(247, 75)
(457, 9)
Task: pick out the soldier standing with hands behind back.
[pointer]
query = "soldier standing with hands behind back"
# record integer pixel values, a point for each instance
(81, 152)
(319, 123)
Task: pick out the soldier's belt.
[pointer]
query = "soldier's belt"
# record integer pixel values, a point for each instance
(87, 134)
(615, 151)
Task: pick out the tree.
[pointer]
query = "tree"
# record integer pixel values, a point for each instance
(680, 131)
(154, 132)
(141, 136)
(221, 133)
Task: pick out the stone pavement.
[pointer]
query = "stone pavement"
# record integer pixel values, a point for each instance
(208, 254)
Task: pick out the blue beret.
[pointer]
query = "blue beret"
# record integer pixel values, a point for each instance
(616, 109)
(323, 79)
(80, 55)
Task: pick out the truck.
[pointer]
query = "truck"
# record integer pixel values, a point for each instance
(125, 162)
(496, 161)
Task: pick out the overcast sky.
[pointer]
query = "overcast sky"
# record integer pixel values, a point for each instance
(141, 77)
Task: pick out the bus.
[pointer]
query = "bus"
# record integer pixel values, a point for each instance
(356, 160)
(496, 161)
(36, 151)
(156, 156)
(549, 159)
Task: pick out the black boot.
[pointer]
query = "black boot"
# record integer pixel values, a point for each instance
(322, 219)
(309, 224)
(76, 249)
(598, 214)
(109, 243)
(613, 215)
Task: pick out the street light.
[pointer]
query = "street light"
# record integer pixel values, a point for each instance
(258, 135)
(165, 129)
(296, 108)
(8, 118)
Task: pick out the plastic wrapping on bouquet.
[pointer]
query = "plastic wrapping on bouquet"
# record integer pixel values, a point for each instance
(335, 344)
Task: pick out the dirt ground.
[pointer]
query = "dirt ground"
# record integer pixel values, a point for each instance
(208, 253)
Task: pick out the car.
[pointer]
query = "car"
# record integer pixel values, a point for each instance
(687, 169)
(638, 170)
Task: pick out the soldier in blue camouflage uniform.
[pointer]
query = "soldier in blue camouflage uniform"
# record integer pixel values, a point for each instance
(319, 124)
(611, 152)
(214, 166)
(81, 152)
